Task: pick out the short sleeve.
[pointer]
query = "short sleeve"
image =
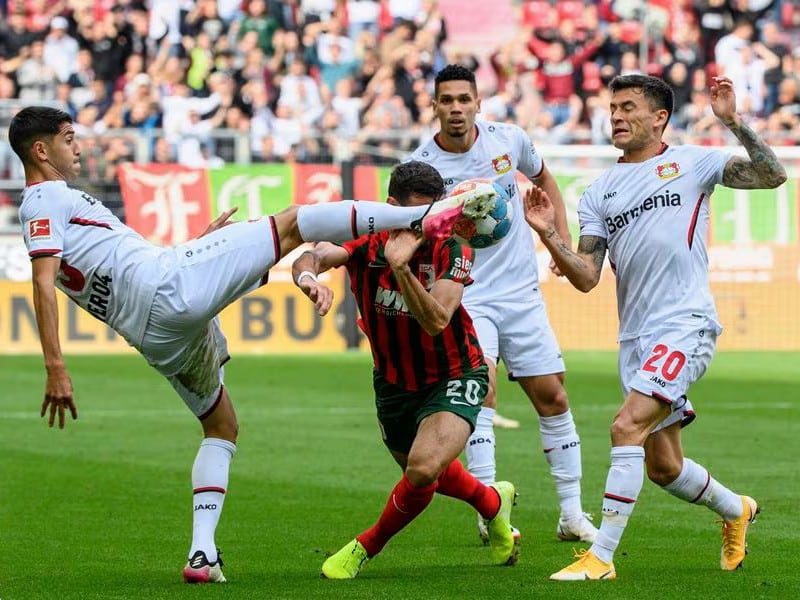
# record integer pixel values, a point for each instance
(44, 222)
(530, 161)
(590, 216)
(709, 165)
(454, 261)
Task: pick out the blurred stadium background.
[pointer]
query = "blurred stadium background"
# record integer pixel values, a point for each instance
(188, 108)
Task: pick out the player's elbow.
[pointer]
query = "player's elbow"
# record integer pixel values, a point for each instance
(585, 284)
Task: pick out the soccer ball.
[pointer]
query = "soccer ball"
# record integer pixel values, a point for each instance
(493, 227)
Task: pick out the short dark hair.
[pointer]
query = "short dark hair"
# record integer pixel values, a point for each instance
(454, 72)
(415, 177)
(656, 90)
(31, 123)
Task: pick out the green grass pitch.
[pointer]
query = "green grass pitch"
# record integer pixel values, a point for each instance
(103, 509)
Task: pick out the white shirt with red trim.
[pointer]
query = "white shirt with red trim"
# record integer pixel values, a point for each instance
(107, 268)
(508, 269)
(654, 216)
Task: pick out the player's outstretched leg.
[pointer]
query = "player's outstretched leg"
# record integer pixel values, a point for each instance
(443, 215)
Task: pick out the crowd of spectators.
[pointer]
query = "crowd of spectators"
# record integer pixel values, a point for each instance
(300, 80)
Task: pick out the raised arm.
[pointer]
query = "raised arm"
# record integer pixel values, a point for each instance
(311, 263)
(432, 310)
(58, 389)
(762, 169)
(583, 267)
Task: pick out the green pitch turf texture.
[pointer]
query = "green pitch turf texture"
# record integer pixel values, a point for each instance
(103, 508)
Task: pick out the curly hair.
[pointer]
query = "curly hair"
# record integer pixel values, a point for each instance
(415, 177)
(454, 73)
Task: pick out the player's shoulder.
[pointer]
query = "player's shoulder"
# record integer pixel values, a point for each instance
(498, 129)
(425, 151)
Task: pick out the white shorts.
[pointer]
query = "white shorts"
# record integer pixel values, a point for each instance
(667, 362)
(183, 339)
(519, 333)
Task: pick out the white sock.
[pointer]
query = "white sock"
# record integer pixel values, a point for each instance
(624, 482)
(210, 483)
(350, 219)
(480, 448)
(695, 485)
(562, 448)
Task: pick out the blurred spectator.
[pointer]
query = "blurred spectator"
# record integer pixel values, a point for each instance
(36, 79)
(362, 15)
(261, 22)
(299, 94)
(60, 50)
(81, 79)
(727, 53)
(14, 35)
(559, 72)
(773, 41)
(748, 77)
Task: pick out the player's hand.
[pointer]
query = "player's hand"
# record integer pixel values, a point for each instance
(320, 294)
(400, 247)
(58, 398)
(539, 210)
(723, 99)
(220, 222)
(554, 269)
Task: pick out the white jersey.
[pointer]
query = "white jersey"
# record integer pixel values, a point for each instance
(508, 269)
(654, 217)
(108, 269)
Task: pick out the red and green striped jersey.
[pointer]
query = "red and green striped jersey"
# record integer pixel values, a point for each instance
(403, 352)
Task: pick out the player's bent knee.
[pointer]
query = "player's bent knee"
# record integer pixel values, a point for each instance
(662, 472)
(422, 473)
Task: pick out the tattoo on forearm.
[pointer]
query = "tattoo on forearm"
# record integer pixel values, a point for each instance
(595, 247)
(762, 170)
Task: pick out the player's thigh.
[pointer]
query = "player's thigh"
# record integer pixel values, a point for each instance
(528, 345)
(192, 362)
(666, 363)
(213, 271)
(396, 410)
(441, 437)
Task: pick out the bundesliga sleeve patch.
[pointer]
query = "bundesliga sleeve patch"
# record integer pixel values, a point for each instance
(39, 229)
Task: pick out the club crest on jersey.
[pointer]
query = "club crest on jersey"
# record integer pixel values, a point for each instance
(427, 276)
(39, 229)
(668, 170)
(502, 164)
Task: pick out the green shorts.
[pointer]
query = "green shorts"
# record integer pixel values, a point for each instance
(400, 411)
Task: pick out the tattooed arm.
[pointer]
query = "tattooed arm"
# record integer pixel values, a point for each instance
(762, 170)
(583, 267)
